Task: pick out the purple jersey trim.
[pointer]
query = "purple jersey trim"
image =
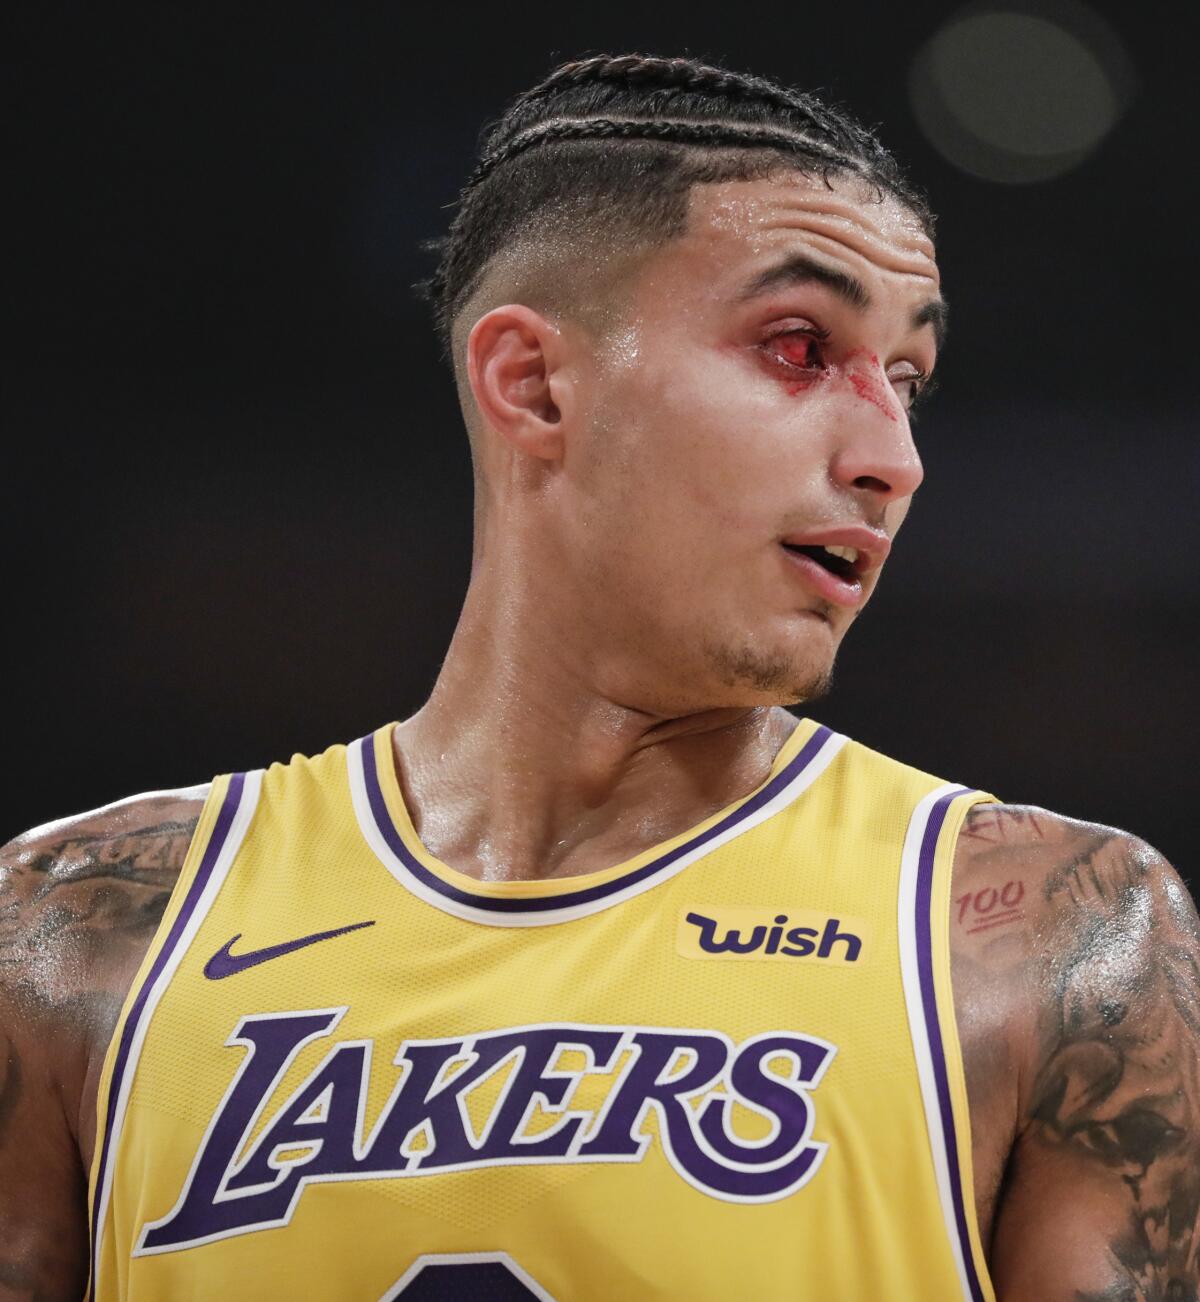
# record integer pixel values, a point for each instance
(387, 829)
(937, 1052)
(212, 851)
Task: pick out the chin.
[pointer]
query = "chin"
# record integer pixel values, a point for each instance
(804, 691)
(755, 676)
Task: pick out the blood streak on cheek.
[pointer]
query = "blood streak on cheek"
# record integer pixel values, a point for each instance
(868, 388)
(794, 386)
(864, 384)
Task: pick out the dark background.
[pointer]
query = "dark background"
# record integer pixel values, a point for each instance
(236, 484)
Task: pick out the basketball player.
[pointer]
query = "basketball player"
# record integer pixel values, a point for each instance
(603, 976)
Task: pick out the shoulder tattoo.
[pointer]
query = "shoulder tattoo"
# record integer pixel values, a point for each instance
(79, 904)
(78, 909)
(1113, 936)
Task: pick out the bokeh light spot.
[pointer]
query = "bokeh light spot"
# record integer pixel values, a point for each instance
(1018, 96)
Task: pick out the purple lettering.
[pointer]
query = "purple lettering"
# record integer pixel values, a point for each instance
(273, 1042)
(534, 1079)
(784, 1161)
(421, 1106)
(649, 1081)
(831, 935)
(776, 934)
(319, 1131)
(323, 1116)
(732, 943)
(801, 942)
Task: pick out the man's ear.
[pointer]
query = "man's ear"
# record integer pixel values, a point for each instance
(514, 365)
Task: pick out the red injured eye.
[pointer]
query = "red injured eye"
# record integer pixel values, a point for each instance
(797, 348)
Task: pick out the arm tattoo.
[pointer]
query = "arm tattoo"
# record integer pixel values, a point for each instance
(1118, 1090)
(81, 890)
(77, 913)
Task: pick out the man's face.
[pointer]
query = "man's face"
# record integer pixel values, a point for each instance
(748, 410)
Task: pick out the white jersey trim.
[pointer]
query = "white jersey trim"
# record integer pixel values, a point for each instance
(221, 856)
(451, 901)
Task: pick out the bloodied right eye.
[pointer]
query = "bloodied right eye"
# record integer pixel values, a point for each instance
(798, 349)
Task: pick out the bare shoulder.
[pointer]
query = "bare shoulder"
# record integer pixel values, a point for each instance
(1038, 896)
(1083, 975)
(81, 896)
(80, 900)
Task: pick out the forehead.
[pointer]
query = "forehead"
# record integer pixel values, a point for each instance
(734, 227)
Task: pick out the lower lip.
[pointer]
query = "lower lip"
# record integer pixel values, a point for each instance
(842, 592)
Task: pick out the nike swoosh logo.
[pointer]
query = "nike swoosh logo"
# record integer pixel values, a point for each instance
(224, 963)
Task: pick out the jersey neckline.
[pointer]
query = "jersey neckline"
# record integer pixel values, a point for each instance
(389, 831)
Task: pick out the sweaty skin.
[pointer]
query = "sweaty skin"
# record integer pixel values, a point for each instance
(633, 624)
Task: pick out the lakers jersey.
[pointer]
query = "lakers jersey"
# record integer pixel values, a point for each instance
(726, 1069)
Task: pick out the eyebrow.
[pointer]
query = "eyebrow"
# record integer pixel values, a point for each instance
(800, 269)
(935, 313)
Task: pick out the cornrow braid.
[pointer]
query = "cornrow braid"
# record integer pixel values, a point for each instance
(686, 74)
(604, 152)
(688, 133)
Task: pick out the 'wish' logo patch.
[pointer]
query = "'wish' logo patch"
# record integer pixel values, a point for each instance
(567, 1093)
(794, 936)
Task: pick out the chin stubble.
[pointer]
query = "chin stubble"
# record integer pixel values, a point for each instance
(777, 676)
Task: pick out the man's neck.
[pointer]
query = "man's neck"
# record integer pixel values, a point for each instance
(517, 768)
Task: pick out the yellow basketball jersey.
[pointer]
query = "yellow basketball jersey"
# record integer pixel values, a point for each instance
(726, 1069)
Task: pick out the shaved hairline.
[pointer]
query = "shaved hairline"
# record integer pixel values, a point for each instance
(574, 272)
(545, 274)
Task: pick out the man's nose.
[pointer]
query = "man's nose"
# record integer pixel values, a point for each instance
(875, 452)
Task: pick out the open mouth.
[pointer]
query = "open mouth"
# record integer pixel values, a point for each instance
(839, 561)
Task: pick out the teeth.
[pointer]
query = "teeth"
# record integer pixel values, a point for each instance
(846, 553)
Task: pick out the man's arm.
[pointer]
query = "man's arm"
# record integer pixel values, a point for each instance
(1094, 985)
(79, 904)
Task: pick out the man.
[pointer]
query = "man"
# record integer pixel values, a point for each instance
(603, 977)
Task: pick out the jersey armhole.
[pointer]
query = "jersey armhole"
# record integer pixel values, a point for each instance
(940, 907)
(187, 873)
(924, 936)
(227, 807)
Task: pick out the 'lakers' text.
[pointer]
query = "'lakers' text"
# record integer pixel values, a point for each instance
(567, 1093)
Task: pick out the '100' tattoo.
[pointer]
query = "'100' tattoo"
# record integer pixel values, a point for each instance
(989, 907)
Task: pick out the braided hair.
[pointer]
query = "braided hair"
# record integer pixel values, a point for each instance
(612, 146)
